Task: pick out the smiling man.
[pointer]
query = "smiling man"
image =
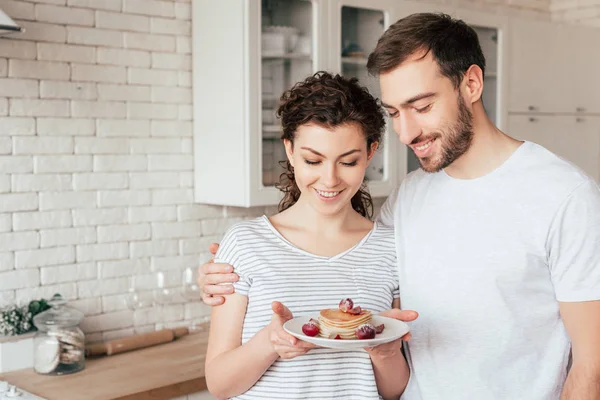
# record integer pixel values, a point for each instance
(498, 240)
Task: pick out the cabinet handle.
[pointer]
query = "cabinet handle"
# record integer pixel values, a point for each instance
(579, 119)
(532, 119)
(532, 108)
(580, 109)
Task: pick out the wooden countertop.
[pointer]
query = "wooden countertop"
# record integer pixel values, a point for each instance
(161, 372)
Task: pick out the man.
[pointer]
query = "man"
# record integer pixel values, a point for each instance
(498, 241)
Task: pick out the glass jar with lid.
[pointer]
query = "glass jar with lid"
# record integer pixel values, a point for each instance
(59, 344)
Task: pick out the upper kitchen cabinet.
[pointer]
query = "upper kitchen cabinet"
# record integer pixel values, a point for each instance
(536, 67)
(355, 28)
(553, 68)
(245, 54)
(583, 68)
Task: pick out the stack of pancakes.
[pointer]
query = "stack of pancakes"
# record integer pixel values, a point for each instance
(333, 322)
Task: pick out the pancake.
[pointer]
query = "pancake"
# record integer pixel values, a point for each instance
(333, 322)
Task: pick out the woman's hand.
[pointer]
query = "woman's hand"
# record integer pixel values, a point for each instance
(394, 348)
(386, 350)
(284, 344)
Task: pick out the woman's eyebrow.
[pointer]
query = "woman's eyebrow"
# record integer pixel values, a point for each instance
(321, 155)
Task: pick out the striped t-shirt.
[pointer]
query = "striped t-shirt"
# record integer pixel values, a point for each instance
(272, 268)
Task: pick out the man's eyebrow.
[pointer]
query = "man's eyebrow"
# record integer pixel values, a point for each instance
(412, 99)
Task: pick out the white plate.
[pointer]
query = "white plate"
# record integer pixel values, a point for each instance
(393, 330)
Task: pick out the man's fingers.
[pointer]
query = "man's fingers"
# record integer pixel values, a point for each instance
(213, 301)
(214, 268)
(213, 248)
(402, 315)
(218, 279)
(218, 289)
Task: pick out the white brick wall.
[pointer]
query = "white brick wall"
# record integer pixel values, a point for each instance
(95, 156)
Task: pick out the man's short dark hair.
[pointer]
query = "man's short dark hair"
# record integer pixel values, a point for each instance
(453, 44)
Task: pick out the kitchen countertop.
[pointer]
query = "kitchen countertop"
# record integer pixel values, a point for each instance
(160, 372)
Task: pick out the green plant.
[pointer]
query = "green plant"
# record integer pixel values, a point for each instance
(16, 320)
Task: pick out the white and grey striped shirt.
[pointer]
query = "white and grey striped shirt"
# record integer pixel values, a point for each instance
(271, 268)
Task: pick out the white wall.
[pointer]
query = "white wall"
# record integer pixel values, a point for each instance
(96, 157)
(584, 12)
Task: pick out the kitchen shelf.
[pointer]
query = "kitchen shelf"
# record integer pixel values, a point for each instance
(355, 61)
(271, 128)
(289, 56)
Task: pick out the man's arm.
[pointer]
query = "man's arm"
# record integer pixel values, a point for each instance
(388, 210)
(582, 322)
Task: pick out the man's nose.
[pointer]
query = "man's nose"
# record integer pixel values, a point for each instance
(407, 129)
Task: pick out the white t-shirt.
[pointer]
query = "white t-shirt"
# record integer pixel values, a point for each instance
(272, 268)
(485, 262)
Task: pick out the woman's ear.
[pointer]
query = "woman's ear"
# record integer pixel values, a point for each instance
(372, 150)
(289, 150)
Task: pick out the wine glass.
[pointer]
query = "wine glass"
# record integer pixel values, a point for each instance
(136, 297)
(190, 291)
(163, 295)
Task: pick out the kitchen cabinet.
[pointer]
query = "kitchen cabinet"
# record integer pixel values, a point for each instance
(554, 91)
(536, 66)
(239, 75)
(553, 68)
(239, 71)
(574, 138)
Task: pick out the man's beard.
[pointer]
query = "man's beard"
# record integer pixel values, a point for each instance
(454, 142)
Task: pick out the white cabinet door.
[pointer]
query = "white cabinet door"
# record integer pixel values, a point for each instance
(581, 144)
(584, 68)
(238, 77)
(538, 68)
(576, 139)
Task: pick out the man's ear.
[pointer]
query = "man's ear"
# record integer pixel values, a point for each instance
(473, 84)
(372, 150)
(289, 150)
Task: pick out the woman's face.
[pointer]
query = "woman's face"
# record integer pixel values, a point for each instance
(329, 164)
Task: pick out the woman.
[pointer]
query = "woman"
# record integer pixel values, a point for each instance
(320, 248)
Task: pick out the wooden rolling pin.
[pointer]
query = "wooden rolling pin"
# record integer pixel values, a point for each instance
(135, 342)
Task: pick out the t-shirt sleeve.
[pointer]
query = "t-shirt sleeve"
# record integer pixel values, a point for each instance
(230, 252)
(574, 246)
(388, 209)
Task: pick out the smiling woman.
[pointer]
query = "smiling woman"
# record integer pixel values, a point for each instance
(315, 114)
(308, 256)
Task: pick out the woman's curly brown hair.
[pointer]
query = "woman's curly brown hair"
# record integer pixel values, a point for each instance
(329, 101)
